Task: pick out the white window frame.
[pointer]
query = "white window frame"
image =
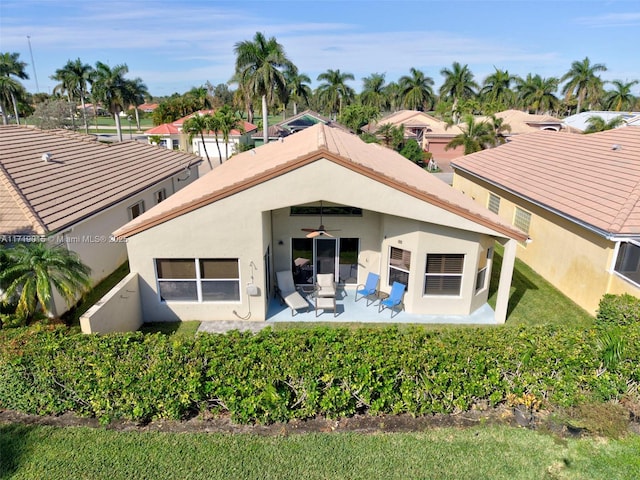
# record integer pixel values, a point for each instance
(618, 250)
(443, 274)
(140, 205)
(397, 267)
(160, 195)
(198, 280)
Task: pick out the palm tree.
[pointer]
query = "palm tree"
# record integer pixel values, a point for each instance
(537, 93)
(112, 90)
(393, 93)
(10, 89)
(74, 78)
(227, 120)
(620, 98)
(197, 125)
(458, 84)
(497, 87)
(200, 98)
(10, 65)
(298, 87)
(582, 81)
(475, 136)
(498, 130)
(373, 91)
(334, 91)
(392, 136)
(259, 67)
(416, 90)
(596, 123)
(34, 268)
(137, 94)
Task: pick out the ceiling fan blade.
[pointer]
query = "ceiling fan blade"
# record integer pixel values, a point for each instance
(314, 234)
(309, 229)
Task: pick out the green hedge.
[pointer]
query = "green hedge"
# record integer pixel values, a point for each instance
(618, 310)
(282, 375)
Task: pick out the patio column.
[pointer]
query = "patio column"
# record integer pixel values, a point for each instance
(506, 274)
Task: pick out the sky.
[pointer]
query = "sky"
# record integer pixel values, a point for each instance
(176, 45)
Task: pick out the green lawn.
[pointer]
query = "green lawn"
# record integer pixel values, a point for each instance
(534, 301)
(28, 452)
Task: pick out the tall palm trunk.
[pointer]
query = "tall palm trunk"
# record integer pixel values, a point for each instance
(15, 108)
(265, 120)
(215, 134)
(84, 113)
(204, 145)
(116, 115)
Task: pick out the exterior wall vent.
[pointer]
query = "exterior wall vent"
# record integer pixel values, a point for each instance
(47, 157)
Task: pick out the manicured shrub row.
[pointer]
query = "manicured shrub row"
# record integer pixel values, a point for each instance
(282, 375)
(618, 310)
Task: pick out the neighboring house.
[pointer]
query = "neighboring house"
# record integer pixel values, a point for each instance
(246, 218)
(293, 124)
(148, 107)
(76, 191)
(432, 134)
(580, 121)
(172, 137)
(578, 199)
(523, 122)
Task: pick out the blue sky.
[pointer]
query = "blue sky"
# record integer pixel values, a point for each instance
(175, 45)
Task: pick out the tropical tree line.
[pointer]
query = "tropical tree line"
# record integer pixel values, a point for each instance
(265, 80)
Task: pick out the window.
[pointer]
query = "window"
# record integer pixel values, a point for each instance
(399, 266)
(628, 261)
(175, 144)
(443, 274)
(522, 220)
(483, 266)
(494, 203)
(136, 209)
(198, 280)
(329, 211)
(160, 195)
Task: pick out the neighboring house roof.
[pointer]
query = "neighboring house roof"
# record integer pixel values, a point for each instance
(51, 179)
(580, 121)
(593, 180)
(272, 160)
(524, 122)
(296, 123)
(176, 127)
(148, 107)
(412, 119)
(164, 129)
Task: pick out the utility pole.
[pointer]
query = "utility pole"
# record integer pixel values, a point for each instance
(33, 64)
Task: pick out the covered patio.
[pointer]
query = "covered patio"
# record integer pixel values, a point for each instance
(348, 310)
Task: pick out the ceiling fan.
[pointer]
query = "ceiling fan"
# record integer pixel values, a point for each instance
(320, 231)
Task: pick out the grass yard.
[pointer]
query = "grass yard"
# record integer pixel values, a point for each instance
(28, 452)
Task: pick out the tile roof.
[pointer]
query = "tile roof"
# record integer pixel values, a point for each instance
(592, 179)
(81, 178)
(164, 129)
(415, 119)
(580, 121)
(523, 122)
(256, 166)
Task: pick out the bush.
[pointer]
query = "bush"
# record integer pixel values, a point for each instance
(297, 374)
(618, 310)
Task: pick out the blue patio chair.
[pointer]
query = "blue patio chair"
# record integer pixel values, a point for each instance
(369, 289)
(394, 299)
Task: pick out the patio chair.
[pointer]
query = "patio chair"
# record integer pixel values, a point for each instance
(394, 299)
(369, 289)
(288, 293)
(325, 285)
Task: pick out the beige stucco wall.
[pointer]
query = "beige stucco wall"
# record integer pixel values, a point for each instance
(573, 259)
(245, 225)
(92, 238)
(118, 311)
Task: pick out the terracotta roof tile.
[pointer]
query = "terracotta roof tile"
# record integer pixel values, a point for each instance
(593, 178)
(81, 177)
(320, 141)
